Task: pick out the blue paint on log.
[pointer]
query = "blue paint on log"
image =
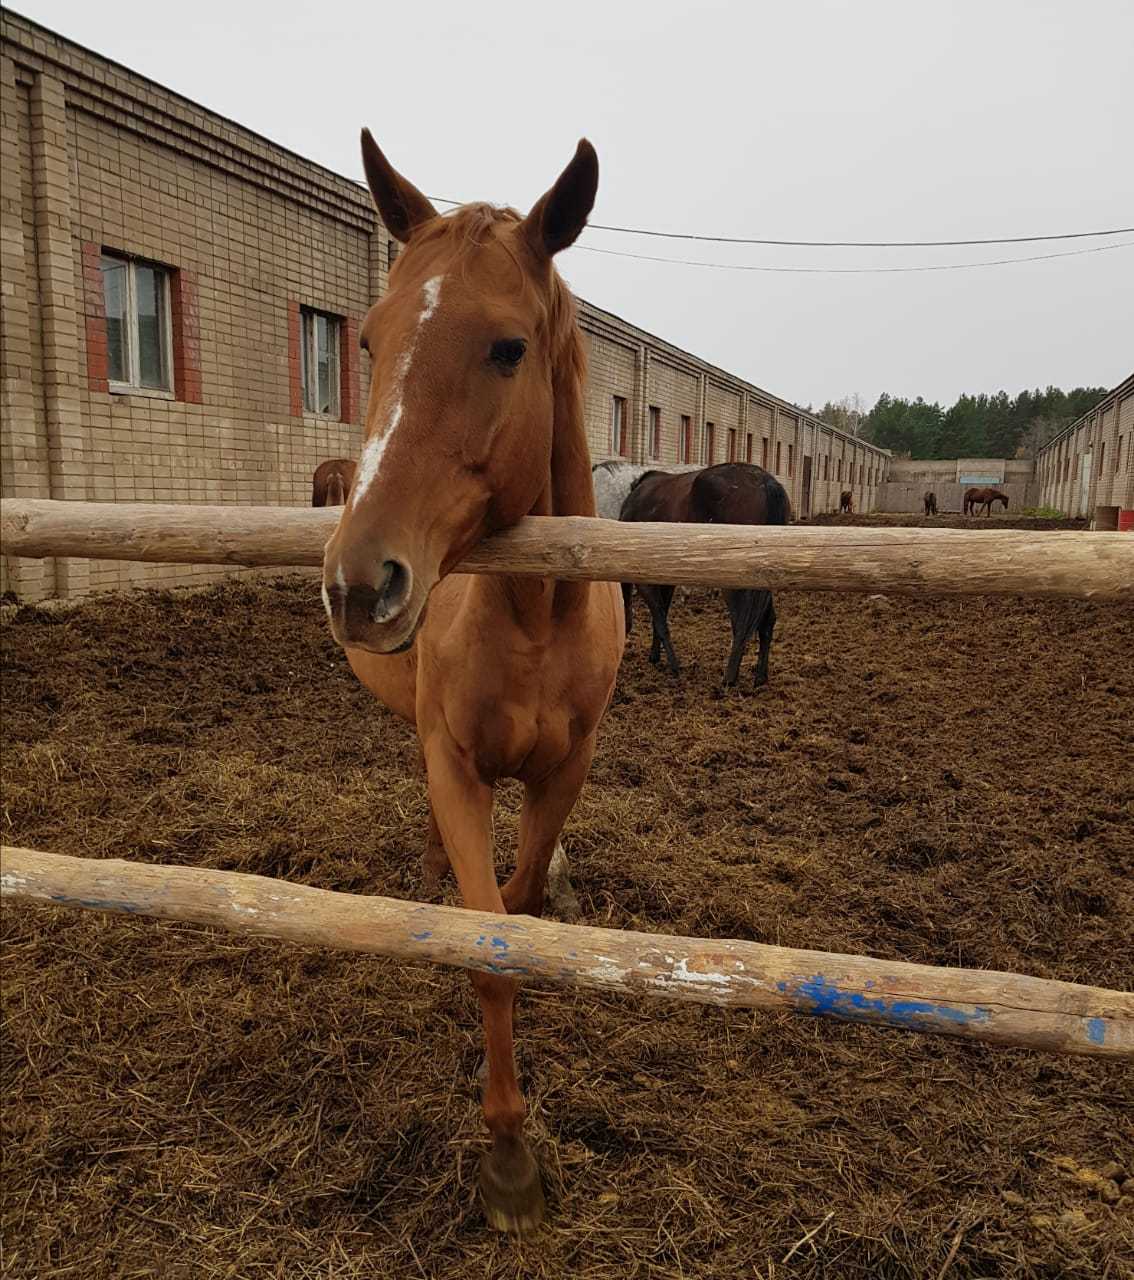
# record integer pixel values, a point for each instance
(422, 936)
(1096, 1030)
(500, 944)
(829, 1000)
(98, 904)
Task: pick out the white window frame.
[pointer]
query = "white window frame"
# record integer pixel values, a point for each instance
(132, 386)
(617, 425)
(309, 363)
(655, 442)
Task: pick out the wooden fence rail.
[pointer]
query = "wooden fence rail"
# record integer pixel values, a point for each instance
(997, 1008)
(900, 561)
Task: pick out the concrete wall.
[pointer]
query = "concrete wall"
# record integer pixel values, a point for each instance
(909, 480)
(96, 158)
(1087, 470)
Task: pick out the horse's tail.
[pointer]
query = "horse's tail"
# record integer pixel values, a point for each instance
(777, 501)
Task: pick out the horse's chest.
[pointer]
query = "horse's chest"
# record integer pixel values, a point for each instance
(516, 722)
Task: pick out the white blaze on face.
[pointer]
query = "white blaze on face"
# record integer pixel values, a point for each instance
(376, 446)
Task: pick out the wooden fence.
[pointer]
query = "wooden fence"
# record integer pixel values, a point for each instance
(997, 1008)
(899, 561)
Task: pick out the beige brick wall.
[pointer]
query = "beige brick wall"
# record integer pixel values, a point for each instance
(1106, 433)
(98, 159)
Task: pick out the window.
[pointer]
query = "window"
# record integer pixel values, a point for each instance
(732, 444)
(839, 469)
(685, 440)
(619, 437)
(777, 457)
(827, 467)
(710, 443)
(655, 431)
(748, 447)
(1102, 455)
(791, 460)
(319, 362)
(138, 338)
(1118, 456)
(764, 452)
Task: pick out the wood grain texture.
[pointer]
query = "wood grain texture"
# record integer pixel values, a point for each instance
(997, 1008)
(1096, 566)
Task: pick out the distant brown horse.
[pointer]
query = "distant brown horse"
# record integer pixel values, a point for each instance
(474, 421)
(930, 503)
(729, 493)
(977, 498)
(846, 502)
(331, 484)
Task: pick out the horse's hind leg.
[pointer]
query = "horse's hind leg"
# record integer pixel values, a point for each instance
(743, 611)
(659, 599)
(547, 804)
(509, 1177)
(765, 622)
(628, 604)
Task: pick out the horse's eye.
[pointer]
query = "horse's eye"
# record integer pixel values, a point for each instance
(507, 353)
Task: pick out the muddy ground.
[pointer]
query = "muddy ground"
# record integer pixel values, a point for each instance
(948, 520)
(944, 781)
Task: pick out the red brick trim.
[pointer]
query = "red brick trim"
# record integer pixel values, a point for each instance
(294, 367)
(348, 370)
(94, 316)
(186, 326)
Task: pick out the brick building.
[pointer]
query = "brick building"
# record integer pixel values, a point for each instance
(180, 310)
(1087, 469)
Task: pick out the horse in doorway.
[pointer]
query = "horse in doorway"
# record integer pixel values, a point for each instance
(474, 421)
(330, 486)
(846, 503)
(729, 493)
(977, 498)
(930, 501)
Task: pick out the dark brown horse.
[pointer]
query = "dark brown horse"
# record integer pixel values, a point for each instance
(930, 503)
(977, 498)
(846, 503)
(729, 493)
(474, 421)
(331, 484)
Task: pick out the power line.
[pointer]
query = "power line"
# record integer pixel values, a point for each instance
(825, 271)
(861, 244)
(841, 244)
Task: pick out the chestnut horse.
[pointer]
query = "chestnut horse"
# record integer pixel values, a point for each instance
(475, 420)
(930, 501)
(976, 498)
(331, 482)
(728, 493)
(846, 502)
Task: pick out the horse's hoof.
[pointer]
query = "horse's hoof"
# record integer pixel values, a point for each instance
(511, 1190)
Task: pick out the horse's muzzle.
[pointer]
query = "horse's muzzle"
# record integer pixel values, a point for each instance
(380, 617)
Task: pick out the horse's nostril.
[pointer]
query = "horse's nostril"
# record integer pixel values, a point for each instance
(360, 605)
(394, 590)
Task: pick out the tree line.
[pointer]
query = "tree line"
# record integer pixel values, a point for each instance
(974, 426)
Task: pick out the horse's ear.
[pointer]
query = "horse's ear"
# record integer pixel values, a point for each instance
(560, 214)
(402, 206)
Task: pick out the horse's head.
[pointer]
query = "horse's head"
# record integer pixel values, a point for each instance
(466, 351)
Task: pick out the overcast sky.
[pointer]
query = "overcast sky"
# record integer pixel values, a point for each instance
(863, 120)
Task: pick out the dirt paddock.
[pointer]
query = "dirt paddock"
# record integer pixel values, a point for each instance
(944, 781)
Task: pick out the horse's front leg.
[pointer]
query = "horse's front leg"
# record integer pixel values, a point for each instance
(509, 1177)
(547, 804)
